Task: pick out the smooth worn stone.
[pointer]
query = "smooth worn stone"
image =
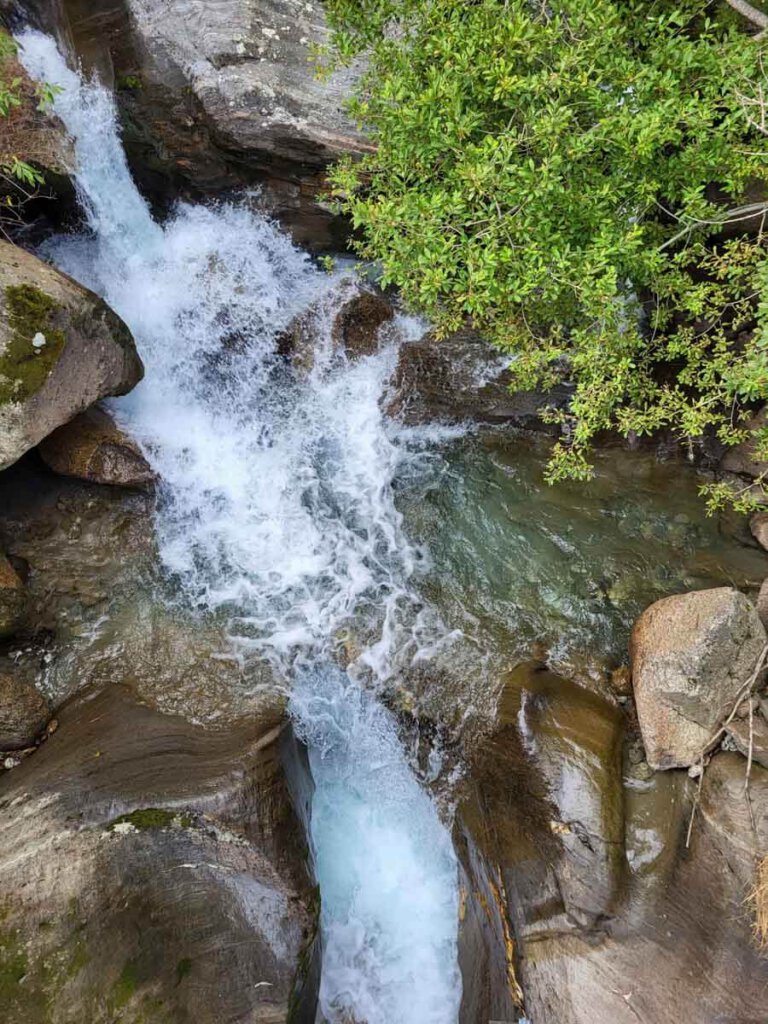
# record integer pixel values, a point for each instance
(91, 447)
(692, 655)
(13, 599)
(61, 349)
(24, 713)
(154, 871)
(462, 377)
(357, 323)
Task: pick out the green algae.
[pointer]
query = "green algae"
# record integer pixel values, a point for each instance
(24, 369)
(183, 970)
(151, 817)
(125, 986)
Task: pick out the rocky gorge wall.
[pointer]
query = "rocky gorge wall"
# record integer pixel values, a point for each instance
(145, 790)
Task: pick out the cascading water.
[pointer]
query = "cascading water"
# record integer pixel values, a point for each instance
(276, 511)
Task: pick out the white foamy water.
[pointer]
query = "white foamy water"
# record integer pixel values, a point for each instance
(276, 510)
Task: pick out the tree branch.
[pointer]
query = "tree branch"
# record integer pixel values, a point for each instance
(750, 13)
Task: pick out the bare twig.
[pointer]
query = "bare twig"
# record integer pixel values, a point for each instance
(745, 690)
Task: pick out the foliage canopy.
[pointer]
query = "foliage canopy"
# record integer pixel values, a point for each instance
(574, 178)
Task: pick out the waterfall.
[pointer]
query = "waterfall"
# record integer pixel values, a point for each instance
(276, 512)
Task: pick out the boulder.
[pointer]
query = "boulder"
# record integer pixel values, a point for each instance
(215, 96)
(13, 599)
(462, 377)
(153, 871)
(692, 655)
(24, 713)
(61, 349)
(91, 447)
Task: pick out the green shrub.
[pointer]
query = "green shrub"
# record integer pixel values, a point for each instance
(562, 174)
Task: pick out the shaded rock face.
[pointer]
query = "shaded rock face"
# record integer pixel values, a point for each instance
(215, 96)
(13, 599)
(24, 713)
(758, 526)
(158, 874)
(61, 349)
(691, 656)
(462, 377)
(91, 447)
(631, 926)
(742, 459)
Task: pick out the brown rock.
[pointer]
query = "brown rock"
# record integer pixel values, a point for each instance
(758, 524)
(91, 447)
(61, 349)
(356, 326)
(742, 459)
(691, 656)
(752, 737)
(24, 713)
(12, 599)
(462, 377)
(762, 603)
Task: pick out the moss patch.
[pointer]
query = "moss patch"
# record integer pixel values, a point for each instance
(183, 969)
(125, 985)
(24, 369)
(151, 817)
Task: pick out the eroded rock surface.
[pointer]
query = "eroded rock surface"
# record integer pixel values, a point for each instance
(91, 447)
(153, 871)
(692, 654)
(664, 934)
(61, 349)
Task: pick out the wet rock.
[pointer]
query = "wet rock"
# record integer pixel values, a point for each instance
(61, 349)
(24, 713)
(91, 447)
(462, 377)
(347, 319)
(13, 599)
(153, 871)
(357, 323)
(691, 656)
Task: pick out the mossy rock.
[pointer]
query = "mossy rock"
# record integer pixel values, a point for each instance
(25, 366)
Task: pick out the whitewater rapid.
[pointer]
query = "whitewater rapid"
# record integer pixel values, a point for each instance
(276, 511)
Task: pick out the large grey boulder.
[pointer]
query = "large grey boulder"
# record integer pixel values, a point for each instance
(220, 95)
(61, 349)
(692, 655)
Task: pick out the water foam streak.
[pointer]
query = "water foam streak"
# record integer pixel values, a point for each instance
(276, 511)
